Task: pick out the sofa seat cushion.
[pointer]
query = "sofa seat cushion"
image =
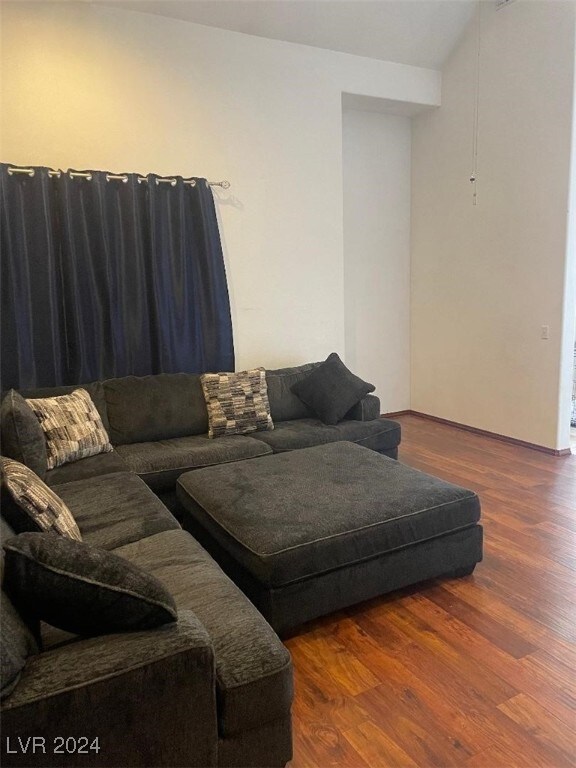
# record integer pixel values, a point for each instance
(93, 466)
(116, 509)
(253, 668)
(161, 463)
(379, 434)
(296, 515)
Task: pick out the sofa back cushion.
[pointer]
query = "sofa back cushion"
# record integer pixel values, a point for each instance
(147, 408)
(284, 404)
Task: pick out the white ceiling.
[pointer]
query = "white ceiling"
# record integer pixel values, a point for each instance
(417, 32)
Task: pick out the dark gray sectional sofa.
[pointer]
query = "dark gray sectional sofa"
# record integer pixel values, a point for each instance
(214, 688)
(158, 426)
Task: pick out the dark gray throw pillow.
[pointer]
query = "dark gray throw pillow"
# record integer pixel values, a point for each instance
(16, 644)
(81, 588)
(22, 435)
(331, 390)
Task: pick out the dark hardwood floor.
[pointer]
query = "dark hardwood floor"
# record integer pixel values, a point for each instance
(478, 672)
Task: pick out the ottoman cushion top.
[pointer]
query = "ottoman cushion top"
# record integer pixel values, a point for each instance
(294, 515)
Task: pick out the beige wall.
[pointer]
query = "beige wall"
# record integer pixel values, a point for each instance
(485, 278)
(376, 149)
(97, 87)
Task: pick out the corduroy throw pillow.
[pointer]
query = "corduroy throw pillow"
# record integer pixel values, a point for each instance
(331, 390)
(81, 588)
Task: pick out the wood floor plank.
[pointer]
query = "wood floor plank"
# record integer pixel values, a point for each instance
(433, 694)
(544, 666)
(541, 724)
(519, 549)
(529, 507)
(475, 594)
(403, 693)
(447, 656)
(496, 633)
(413, 727)
(498, 756)
(530, 674)
(407, 682)
(478, 672)
(555, 553)
(540, 603)
(310, 704)
(321, 746)
(561, 541)
(347, 672)
(317, 676)
(377, 748)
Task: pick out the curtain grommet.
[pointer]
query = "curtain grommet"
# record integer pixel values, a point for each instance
(29, 171)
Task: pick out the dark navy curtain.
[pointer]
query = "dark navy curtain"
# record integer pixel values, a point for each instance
(104, 278)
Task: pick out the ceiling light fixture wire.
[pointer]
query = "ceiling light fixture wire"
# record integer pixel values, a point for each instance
(476, 124)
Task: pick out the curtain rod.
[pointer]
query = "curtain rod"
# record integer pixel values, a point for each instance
(121, 177)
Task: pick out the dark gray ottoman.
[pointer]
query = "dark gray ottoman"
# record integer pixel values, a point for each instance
(311, 531)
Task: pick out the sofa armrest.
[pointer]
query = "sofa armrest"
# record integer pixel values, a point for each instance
(366, 410)
(147, 697)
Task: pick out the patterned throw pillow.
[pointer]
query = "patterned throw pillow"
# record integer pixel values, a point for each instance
(237, 402)
(44, 510)
(72, 427)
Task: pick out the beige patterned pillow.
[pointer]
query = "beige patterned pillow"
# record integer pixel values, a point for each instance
(72, 427)
(45, 509)
(237, 402)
